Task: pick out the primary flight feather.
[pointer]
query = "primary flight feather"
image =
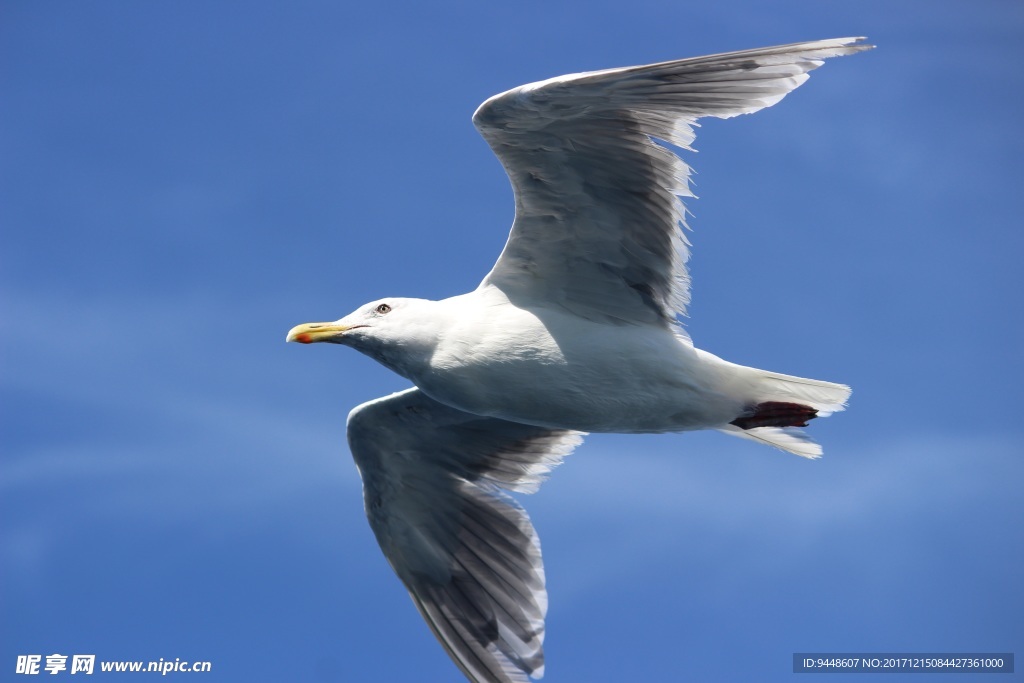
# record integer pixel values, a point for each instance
(574, 330)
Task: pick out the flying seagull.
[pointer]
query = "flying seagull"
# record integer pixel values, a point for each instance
(575, 329)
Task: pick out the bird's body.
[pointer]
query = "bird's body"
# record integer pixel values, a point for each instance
(574, 330)
(596, 378)
(543, 366)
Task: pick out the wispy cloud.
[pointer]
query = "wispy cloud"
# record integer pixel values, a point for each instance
(628, 504)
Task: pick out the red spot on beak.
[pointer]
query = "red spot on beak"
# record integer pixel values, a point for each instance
(303, 338)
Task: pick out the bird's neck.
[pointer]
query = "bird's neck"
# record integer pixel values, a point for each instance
(409, 352)
(409, 359)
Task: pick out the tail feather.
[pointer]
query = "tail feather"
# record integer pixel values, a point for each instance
(825, 397)
(772, 387)
(789, 439)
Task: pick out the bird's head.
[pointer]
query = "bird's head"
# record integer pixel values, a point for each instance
(394, 331)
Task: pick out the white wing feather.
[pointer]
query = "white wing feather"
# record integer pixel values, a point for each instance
(432, 480)
(598, 214)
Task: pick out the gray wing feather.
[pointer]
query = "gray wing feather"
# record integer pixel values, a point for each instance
(598, 214)
(468, 554)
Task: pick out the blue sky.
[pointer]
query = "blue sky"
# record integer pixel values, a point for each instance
(183, 182)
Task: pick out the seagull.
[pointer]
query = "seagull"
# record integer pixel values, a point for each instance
(576, 329)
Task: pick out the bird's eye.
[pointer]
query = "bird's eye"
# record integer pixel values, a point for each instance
(383, 308)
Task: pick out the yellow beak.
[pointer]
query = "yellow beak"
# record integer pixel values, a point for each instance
(307, 333)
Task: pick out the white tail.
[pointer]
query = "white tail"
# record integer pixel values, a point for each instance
(825, 397)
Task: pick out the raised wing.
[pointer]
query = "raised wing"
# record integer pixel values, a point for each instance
(598, 214)
(432, 480)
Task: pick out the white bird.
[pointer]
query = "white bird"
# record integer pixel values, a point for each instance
(575, 329)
